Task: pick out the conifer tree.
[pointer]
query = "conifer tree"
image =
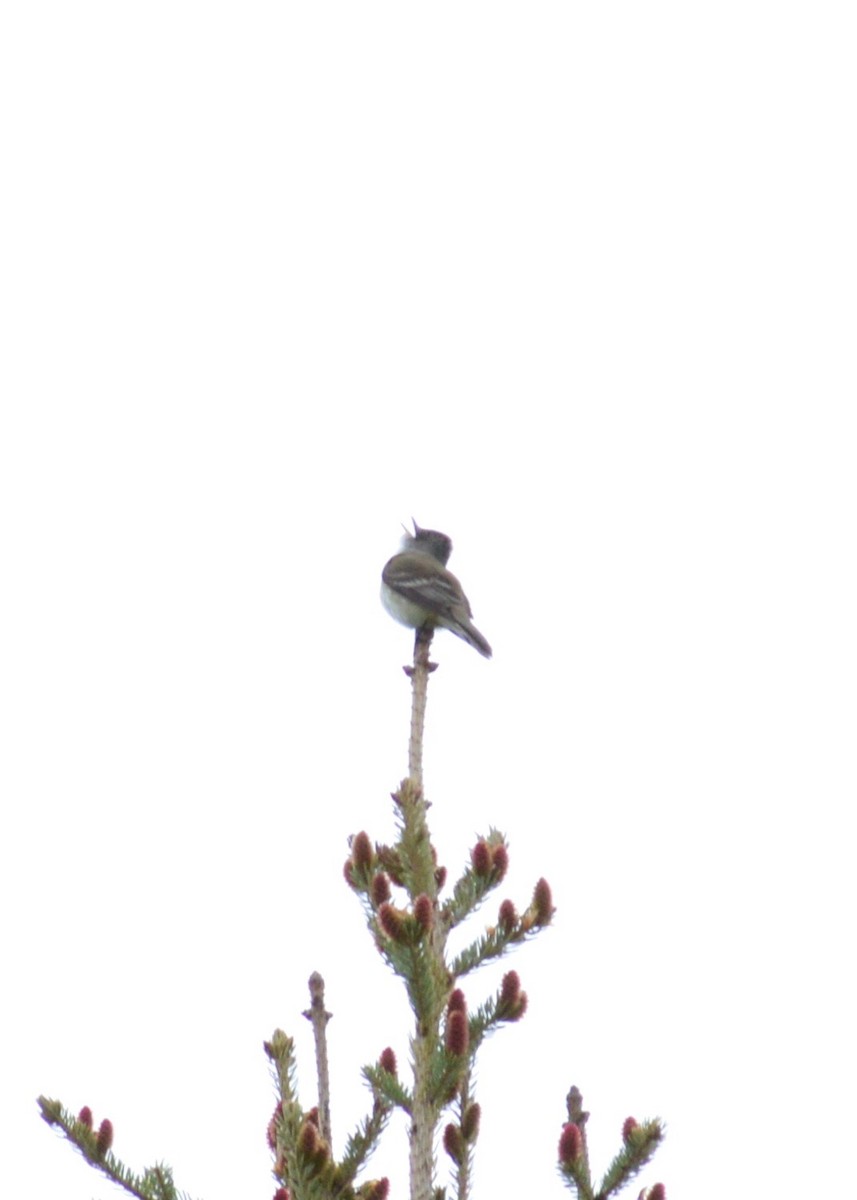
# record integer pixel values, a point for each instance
(411, 909)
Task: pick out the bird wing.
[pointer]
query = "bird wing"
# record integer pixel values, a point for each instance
(424, 582)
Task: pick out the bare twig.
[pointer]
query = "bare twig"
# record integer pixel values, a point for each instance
(319, 1017)
(424, 1111)
(419, 674)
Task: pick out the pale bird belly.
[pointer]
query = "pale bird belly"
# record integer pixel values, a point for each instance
(403, 610)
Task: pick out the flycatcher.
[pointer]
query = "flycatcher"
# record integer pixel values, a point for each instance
(417, 589)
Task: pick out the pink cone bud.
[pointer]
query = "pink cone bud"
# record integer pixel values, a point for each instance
(520, 1007)
(440, 878)
(628, 1127)
(308, 1139)
(85, 1116)
(424, 912)
(104, 1137)
(570, 1144)
(457, 1033)
(470, 1122)
(507, 916)
(542, 902)
(510, 995)
(456, 1002)
(480, 858)
(380, 889)
(272, 1126)
(657, 1192)
(361, 851)
(453, 1143)
(510, 988)
(392, 921)
(388, 1061)
(282, 1194)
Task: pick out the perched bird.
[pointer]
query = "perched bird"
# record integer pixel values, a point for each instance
(417, 589)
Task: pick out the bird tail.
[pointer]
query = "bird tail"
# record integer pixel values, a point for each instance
(470, 634)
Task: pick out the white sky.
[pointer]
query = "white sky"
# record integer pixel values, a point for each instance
(573, 283)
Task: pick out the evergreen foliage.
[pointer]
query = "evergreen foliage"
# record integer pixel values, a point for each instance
(400, 888)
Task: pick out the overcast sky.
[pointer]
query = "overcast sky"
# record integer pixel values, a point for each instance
(573, 283)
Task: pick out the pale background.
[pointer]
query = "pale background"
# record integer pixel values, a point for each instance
(574, 283)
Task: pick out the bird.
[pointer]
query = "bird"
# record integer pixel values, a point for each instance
(418, 591)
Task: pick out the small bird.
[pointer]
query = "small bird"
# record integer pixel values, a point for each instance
(418, 591)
